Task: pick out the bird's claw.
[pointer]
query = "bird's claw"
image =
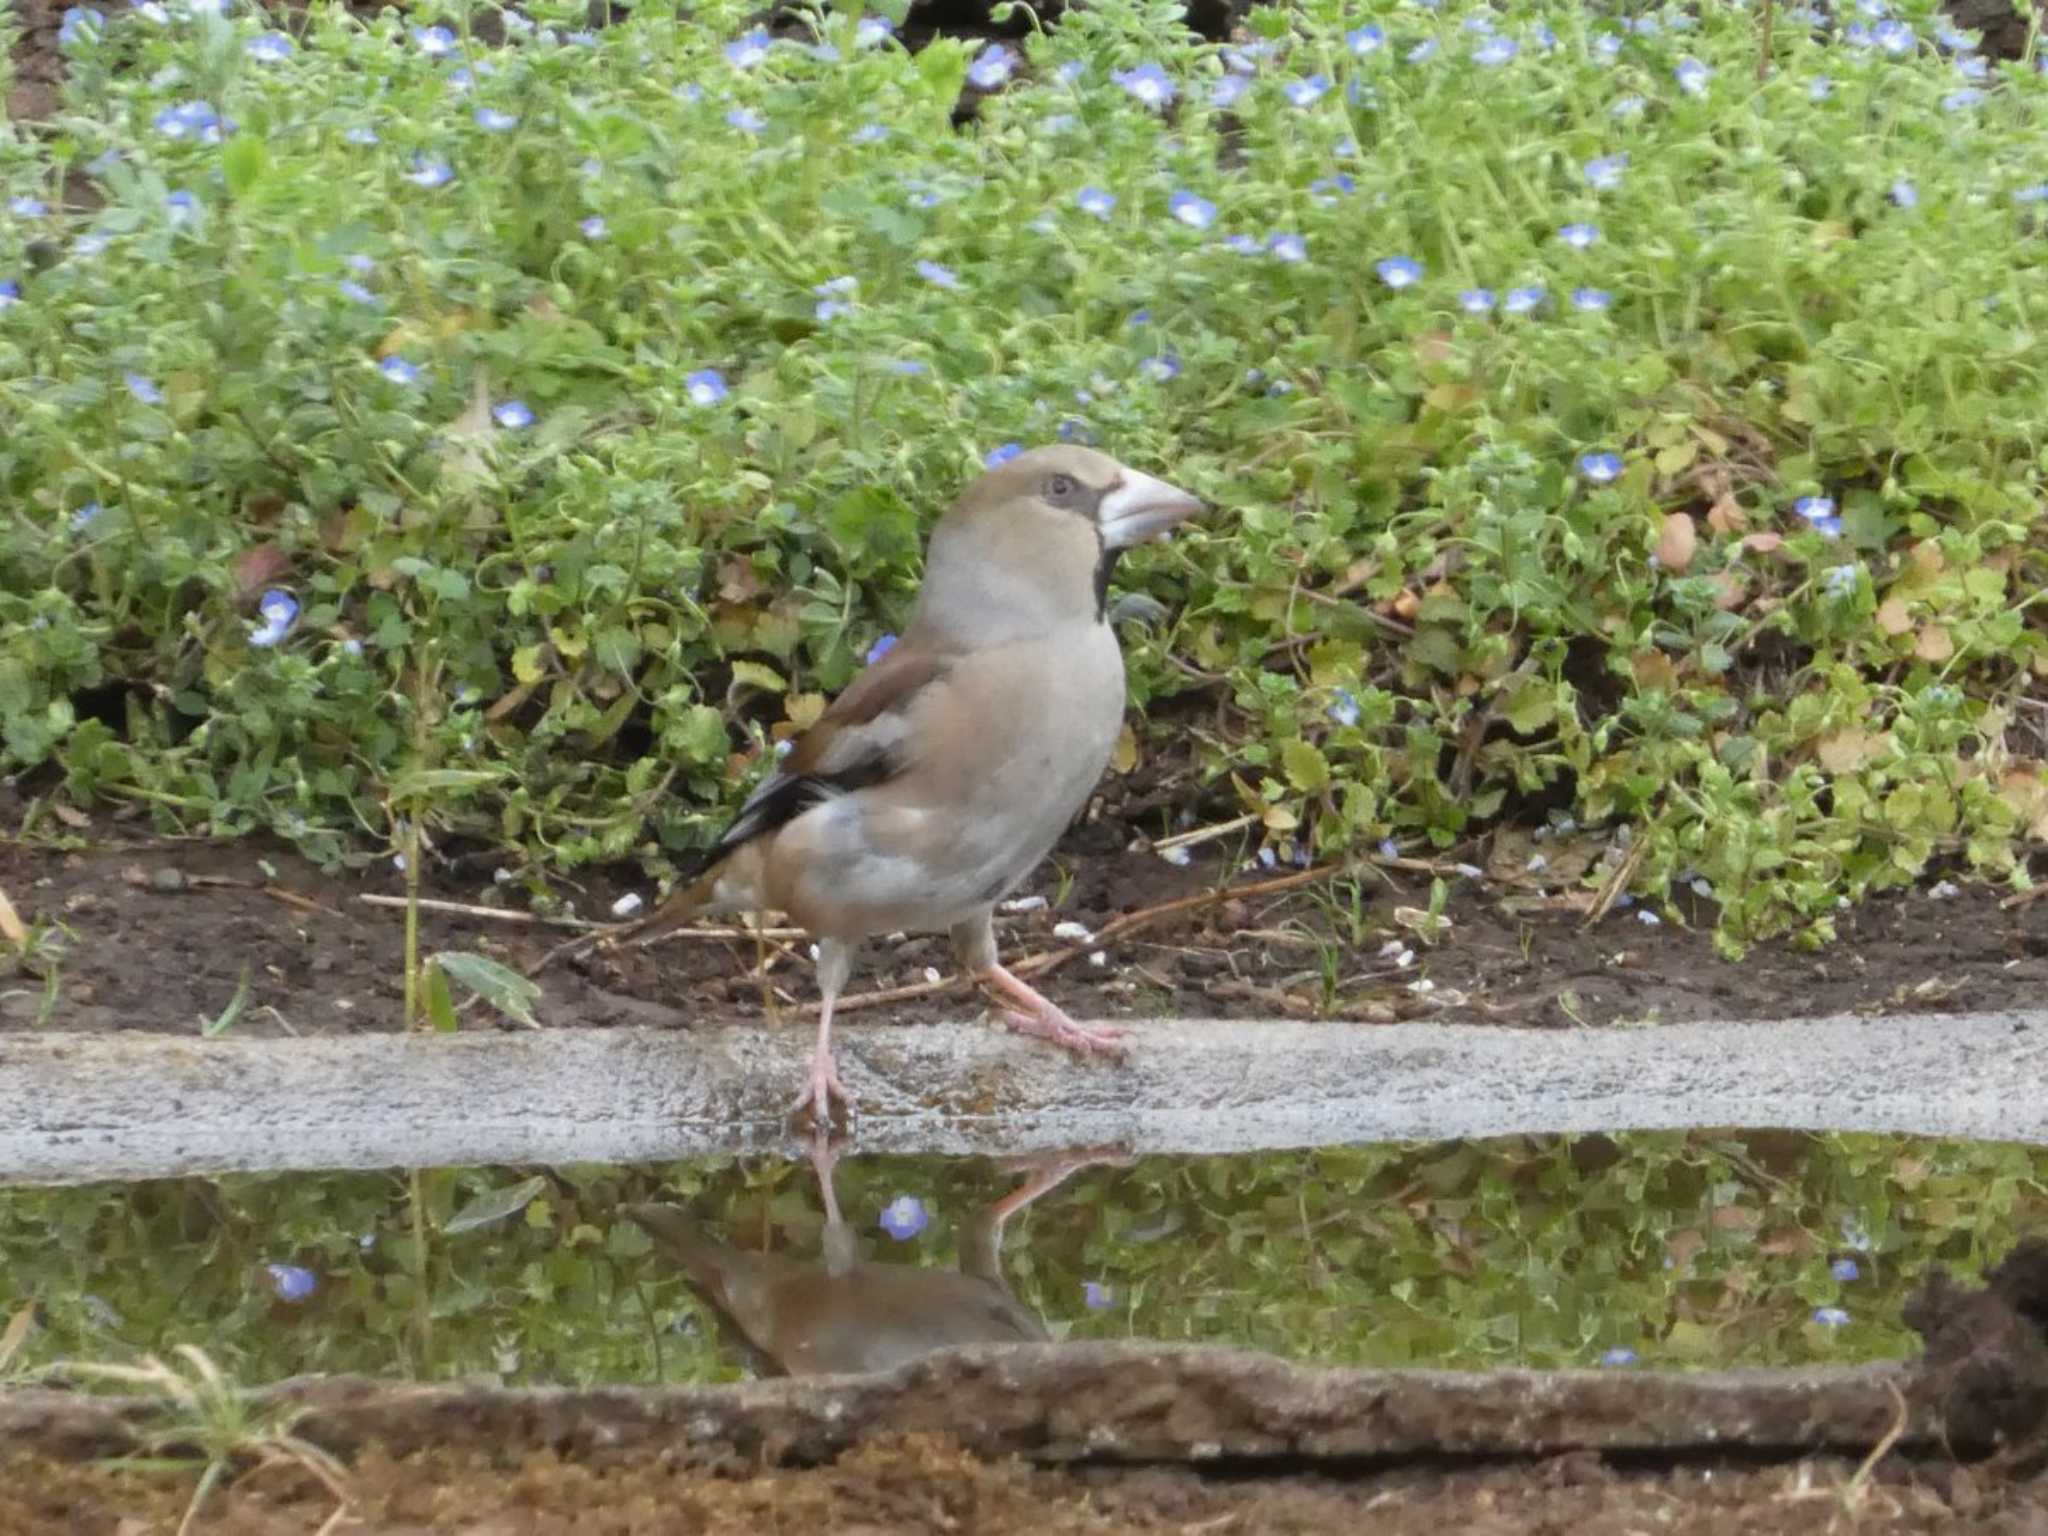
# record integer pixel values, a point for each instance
(1083, 1040)
(822, 1087)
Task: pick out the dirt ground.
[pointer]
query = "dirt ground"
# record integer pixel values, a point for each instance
(321, 960)
(911, 1486)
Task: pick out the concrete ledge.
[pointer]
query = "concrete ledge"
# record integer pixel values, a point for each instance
(1109, 1402)
(76, 1108)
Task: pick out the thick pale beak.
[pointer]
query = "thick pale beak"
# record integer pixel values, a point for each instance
(1141, 508)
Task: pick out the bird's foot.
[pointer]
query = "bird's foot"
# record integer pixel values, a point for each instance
(820, 1089)
(1052, 1023)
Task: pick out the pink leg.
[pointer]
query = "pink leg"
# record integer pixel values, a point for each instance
(1043, 1017)
(823, 1085)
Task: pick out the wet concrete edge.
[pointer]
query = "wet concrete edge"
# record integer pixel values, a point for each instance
(1059, 1403)
(83, 1107)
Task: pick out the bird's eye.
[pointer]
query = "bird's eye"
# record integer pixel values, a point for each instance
(1059, 488)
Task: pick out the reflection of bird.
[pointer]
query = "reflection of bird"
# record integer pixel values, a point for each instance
(935, 783)
(806, 1319)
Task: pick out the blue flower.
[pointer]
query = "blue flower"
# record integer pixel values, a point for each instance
(996, 458)
(1692, 77)
(705, 387)
(1954, 40)
(279, 611)
(1520, 301)
(1366, 40)
(943, 277)
(142, 389)
(1224, 94)
(1604, 174)
(398, 370)
(1195, 212)
(1244, 245)
(1973, 68)
(10, 293)
(870, 133)
(1627, 108)
(1578, 236)
(1846, 1270)
(1095, 1296)
(1607, 45)
(594, 227)
(351, 289)
(291, 1282)
(435, 42)
(1244, 58)
(1476, 301)
(1820, 88)
(269, 47)
(1592, 300)
(89, 245)
(1344, 707)
(2037, 193)
(359, 264)
(746, 52)
(1819, 513)
(1288, 247)
(1096, 201)
(1308, 91)
(873, 31)
(1162, 368)
(1422, 52)
(1496, 50)
(85, 517)
(909, 367)
(991, 68)
(491, 120)
(1957, 101)
(1330, 188)
(1840, 581)
(80, 21)
(429, 173)
(1399, 271)
(27, 208)
(904, 1217)
(1069, 72)
(1905, 194)
(360, 135)
(882, 646)
(1148, 83)
(1893, 36)
(512, 415)
(1600, 468)
(1618, 1356)
(180, 205)
(1830, 1317)
(746, 119)
(189, 120)
(1854, 1236)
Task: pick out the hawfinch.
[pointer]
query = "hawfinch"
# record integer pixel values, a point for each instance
(939, 779)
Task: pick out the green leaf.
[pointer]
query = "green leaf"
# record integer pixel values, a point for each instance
(440, 1005)
(422, 783)
(1306, 767)
(757, 675)
(500, 986)
(495, 1206)
(225, 1020)
(242, 162)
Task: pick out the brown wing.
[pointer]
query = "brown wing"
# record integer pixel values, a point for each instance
(861, 739)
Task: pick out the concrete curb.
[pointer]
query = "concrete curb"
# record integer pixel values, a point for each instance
(78, 1108)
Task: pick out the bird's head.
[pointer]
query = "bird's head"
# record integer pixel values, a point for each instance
(1032, 542)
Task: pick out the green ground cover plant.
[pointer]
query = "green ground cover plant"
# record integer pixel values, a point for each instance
(409, 433)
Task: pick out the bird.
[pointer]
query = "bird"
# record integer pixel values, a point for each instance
(939, 779)
(799, 1317)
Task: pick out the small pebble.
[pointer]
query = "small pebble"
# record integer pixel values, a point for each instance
(167, 879)
(1099, 957)
(1072, 932)
(1024, 904)
(931, 974)
(627, 904)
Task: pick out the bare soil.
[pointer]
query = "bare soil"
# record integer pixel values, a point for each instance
(157, 935)
(915, 1485)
